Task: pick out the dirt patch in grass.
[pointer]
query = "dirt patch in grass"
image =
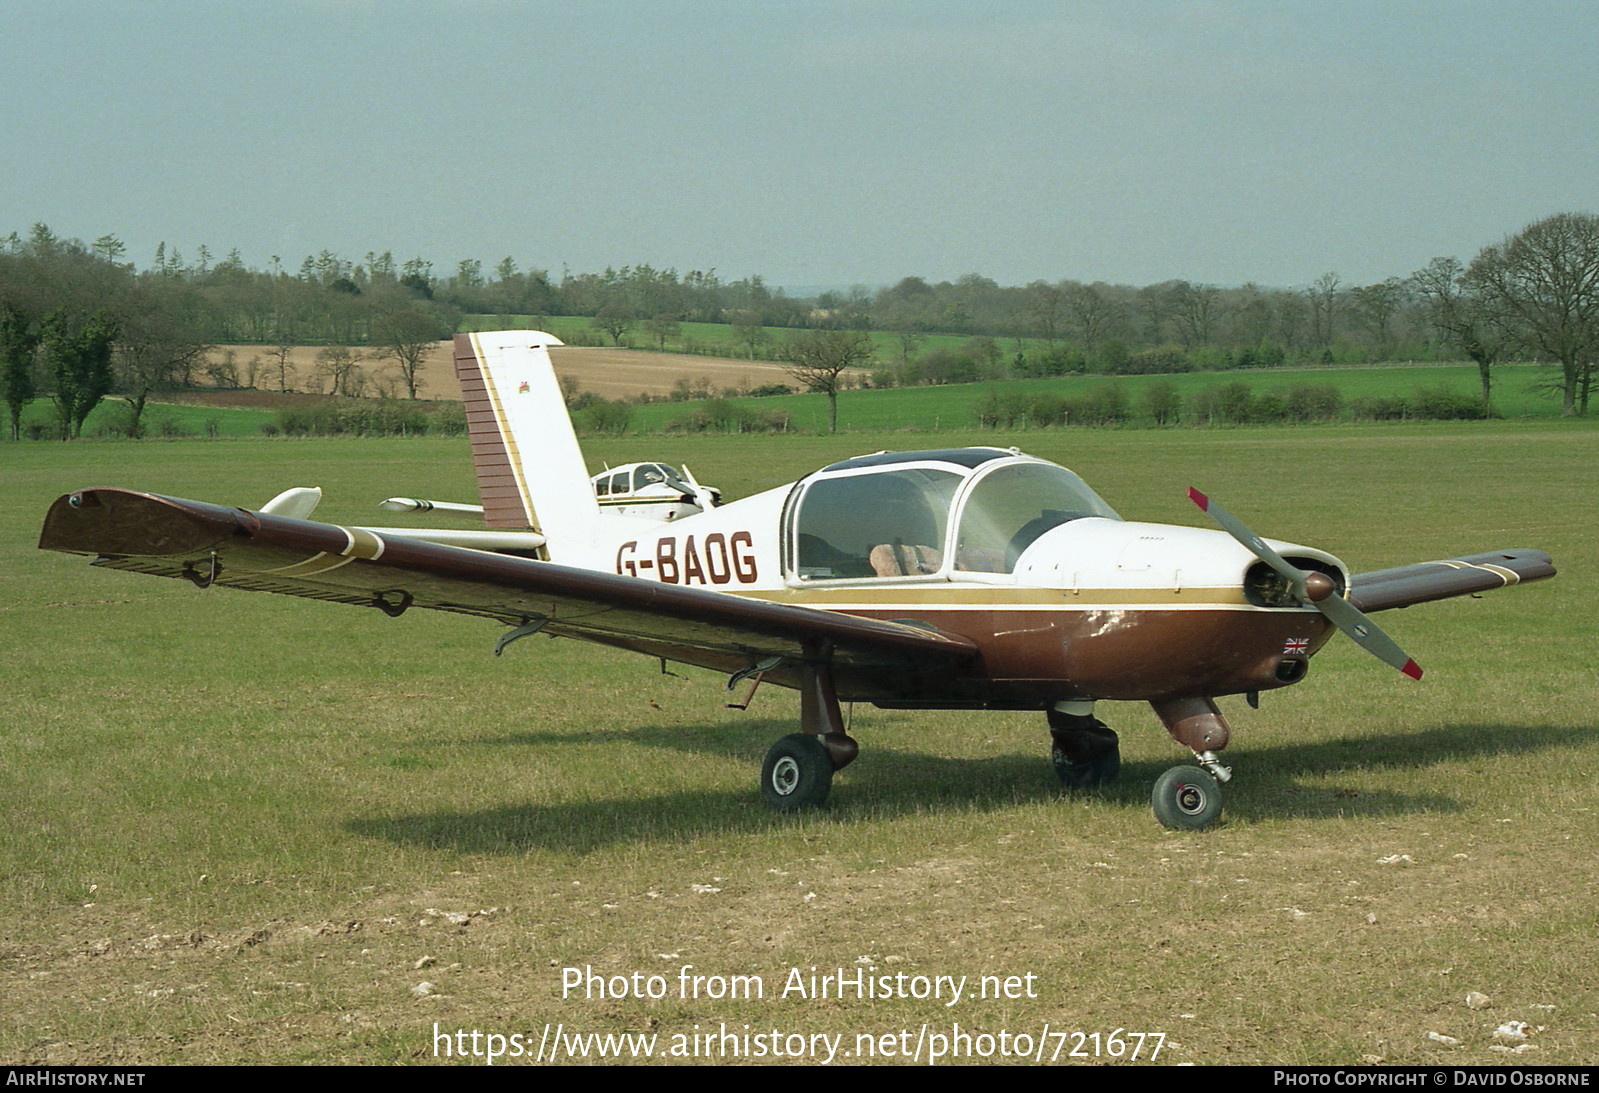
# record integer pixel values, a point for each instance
(611, 373)
(624, 373)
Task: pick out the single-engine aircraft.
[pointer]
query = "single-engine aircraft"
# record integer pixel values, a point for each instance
(969, 578)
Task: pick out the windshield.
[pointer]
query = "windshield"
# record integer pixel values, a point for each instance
(1012, 506)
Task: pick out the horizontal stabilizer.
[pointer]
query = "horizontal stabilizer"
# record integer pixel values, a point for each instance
(417, 504)
(298, 502)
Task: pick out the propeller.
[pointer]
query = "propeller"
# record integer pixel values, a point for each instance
(706, 496)
(1316, 589)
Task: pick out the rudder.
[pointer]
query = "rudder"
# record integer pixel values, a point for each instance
(530, 471)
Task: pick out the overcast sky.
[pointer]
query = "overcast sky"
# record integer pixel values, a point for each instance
(1220, 141)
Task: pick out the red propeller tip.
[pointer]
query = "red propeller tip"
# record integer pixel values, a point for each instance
(1199, 499)
(1412, 669)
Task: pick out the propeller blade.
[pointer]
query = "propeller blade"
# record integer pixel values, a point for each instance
(1366, 634)
(1254, 543)
(1339, 611)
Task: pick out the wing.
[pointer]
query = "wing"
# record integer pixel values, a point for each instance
(236, 548)
(1404, 585)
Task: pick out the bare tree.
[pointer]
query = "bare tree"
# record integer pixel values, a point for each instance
(1194, 310)
(1464, 317)
(748, 328)
(1375, 306)
(1092, 312)
(160, 344)
(280, 363)
(341, 367)
(907, 340)
(1546, 281)
(408, 338)
(819, 359)
(1324, 298)
(1251, 316)
(1046, 306)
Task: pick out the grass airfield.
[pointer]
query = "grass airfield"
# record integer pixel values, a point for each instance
(247, 828)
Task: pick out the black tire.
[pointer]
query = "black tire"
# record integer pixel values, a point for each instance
(1086, 752)
(1100, 771)
(1186, 799)
(798, 773)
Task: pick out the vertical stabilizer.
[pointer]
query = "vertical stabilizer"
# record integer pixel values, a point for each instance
(530, 471)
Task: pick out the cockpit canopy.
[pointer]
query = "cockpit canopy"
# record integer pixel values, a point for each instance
(916, 514)
(638, 477)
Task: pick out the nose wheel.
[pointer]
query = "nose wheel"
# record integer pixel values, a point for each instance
(1186, 799)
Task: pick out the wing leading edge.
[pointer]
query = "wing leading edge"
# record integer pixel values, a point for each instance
(237, 548)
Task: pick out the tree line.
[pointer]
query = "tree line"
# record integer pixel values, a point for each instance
(1231, 403)
(78, 320)
(78, 323)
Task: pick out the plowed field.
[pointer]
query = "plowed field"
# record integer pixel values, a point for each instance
(612, 373)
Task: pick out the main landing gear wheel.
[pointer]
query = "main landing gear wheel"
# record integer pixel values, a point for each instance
(1186, 799)
(798, 773)
(1087, 773)
(1085, 751)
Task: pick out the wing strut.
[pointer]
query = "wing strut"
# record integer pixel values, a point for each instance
(819, 711)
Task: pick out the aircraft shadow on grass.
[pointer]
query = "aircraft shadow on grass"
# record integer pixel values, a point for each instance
(905, 782)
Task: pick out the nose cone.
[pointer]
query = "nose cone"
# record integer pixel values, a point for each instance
(1318, 586)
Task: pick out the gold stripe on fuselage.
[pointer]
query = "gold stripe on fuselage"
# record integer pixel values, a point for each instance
(986, 597)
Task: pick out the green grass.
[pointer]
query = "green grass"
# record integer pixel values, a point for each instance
(161, 419)
(231, 819)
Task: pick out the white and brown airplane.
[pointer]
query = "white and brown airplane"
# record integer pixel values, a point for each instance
(970, 578)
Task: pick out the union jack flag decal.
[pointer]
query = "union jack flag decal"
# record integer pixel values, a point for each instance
(1296, 645)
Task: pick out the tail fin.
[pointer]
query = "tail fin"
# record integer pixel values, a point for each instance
(530, 472)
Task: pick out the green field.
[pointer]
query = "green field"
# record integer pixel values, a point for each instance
(109, 420)
(1519, 391)
(237, 826)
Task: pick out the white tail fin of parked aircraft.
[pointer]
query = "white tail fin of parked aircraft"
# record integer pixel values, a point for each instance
(530, 471)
